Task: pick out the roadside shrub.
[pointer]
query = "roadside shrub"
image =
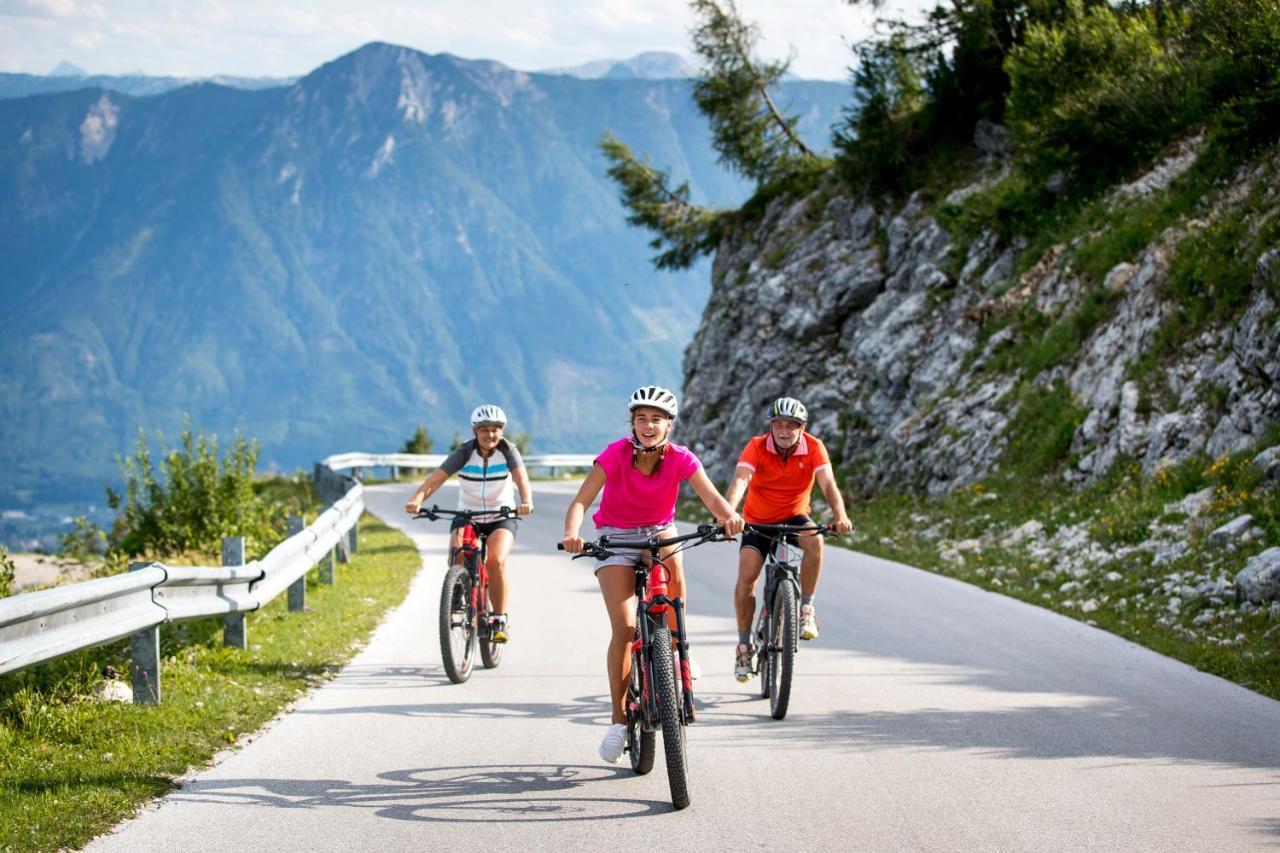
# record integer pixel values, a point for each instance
(85, 541)
(7, 572)
(195, 499)
(1101, 90)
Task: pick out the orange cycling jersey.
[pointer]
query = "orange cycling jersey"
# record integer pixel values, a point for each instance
(779, 487)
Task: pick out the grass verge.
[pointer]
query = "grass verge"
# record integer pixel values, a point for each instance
(71, 768)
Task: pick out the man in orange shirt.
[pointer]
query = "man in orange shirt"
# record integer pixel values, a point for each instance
(781, 467)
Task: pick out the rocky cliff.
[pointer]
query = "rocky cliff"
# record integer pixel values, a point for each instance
(904, 340)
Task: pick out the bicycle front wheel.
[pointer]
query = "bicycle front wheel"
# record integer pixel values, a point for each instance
(782, 649)
(664, 687)
(641, 743)
(457, 625)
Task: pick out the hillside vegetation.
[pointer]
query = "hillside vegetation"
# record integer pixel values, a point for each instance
(1033, 306)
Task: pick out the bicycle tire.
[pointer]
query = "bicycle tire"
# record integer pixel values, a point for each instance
(641, 744)
(664, 686)
(457, 629)
(763, 628)
(490, 652)
(782, 649)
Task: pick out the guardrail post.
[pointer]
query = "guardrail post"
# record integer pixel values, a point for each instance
(327, 567)
(395, 473)
(353, 537)
(144, 657)
(235, 628)
(297, 589)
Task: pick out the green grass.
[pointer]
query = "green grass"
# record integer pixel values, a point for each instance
(71, 769)
(1118, 513)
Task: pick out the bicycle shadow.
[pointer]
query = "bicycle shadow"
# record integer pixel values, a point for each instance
(582, 710)
(459, 794)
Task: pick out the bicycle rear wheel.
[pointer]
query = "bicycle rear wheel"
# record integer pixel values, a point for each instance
(782, 649)
(490, 652)
(457, 625)
(641, 743)
(664, 687)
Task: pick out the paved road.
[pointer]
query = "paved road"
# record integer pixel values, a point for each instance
(930, 716)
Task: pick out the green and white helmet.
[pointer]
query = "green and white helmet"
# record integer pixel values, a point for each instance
(789, 408)
(656, 396)
(488, 415)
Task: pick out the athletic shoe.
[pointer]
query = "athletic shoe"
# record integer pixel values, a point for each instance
(742, 662)
(498, 628)
(808, 623)
(695, 671)
(615, 741)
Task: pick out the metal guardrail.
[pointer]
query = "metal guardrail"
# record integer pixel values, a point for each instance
(40, 626)
(346, 461)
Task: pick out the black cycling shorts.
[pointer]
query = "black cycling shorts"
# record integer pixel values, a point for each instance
(763, 543)
(486, 528)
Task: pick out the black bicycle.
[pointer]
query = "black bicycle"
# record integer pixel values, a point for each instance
(465, 612)
(656, 698)
(778, 624)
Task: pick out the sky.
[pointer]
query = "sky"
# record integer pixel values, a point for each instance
(259, 38)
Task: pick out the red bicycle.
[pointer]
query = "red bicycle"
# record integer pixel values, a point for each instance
(465, 611)
(656, 698)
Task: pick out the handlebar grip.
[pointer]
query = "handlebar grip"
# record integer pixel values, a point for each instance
(559, 546)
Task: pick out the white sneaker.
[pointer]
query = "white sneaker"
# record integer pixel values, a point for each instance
(615, 741)
(695, 671)
(808, 623)
(742, 662)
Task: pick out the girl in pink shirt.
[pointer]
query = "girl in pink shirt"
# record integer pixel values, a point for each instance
(641, 477)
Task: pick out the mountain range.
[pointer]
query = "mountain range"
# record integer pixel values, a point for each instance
(388, 240)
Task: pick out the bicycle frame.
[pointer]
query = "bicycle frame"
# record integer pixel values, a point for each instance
(652, 605)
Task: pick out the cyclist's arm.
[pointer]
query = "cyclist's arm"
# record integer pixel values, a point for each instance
(715, 502)
(578, 508)
(831, 490)
(521, 477)
(738, 485)
(429, 486)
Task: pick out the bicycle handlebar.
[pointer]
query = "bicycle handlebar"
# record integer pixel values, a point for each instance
(435, 512)
(786, 529)
(601, 549)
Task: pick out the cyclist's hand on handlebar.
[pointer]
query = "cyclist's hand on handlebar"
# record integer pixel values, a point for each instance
(572, 543)
(841, 525)
(732, 524)
(525, 508)
(412, 505)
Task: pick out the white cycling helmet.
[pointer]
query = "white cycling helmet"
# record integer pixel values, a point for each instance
(488, 414)
(789, 408)
(655, 396)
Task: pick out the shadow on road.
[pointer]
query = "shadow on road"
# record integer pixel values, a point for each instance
(583, 710)
(502, 794)
(1085, 727)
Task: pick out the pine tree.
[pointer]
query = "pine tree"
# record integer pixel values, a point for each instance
(752, 136)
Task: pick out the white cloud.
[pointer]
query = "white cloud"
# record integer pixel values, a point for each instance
(288, 37)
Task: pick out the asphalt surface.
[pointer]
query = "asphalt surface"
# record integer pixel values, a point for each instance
(930, 715)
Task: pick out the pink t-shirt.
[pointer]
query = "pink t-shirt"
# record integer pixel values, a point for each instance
(634, 499)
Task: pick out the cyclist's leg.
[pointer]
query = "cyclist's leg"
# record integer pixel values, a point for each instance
(499, 548)
(811, 561)
(675, 584)
(618, 585)
(455, 538)
(750, 562)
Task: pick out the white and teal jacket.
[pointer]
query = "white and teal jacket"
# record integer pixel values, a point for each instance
(484, 483)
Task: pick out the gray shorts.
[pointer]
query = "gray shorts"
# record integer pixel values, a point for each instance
(629, 556)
